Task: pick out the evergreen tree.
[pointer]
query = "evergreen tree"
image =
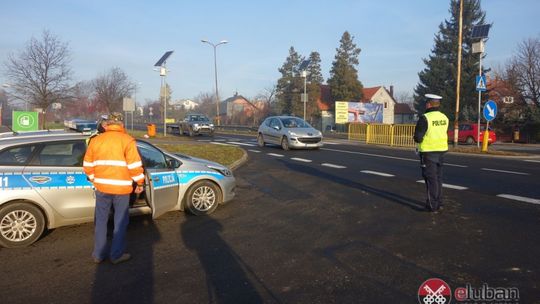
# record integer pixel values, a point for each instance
(343, 80)
(440, 75)
(289, 86)
(315, 79)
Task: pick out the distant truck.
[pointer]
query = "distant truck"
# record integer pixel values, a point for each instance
(193, 124)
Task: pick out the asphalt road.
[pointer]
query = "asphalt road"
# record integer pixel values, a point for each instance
(343, 224)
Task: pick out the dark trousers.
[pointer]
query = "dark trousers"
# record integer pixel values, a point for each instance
(432, 163)
(104, 203)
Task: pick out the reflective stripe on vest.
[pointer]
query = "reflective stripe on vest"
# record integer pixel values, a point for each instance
(436, 137)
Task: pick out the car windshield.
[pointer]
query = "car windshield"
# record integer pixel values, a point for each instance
(198, 118)
(293, 122)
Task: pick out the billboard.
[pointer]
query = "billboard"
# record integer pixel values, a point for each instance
(358, 112)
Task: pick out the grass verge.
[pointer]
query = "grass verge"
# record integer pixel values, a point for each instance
(225, 155)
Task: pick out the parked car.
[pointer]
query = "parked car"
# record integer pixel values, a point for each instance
(290, 132)
(468, 133)
(43, 185)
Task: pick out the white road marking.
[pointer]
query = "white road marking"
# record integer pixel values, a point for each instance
(532, 160)
(274, 154)
(256, 151)
(330, 143)
(301, 159)
(220, 143)
(241, 144)
(333, 166)
(369, 154)
(447, 185)
(454, 165)
(377, 173)
(505, 171)
(520, 198)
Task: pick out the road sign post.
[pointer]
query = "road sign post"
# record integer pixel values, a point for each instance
(490, 111)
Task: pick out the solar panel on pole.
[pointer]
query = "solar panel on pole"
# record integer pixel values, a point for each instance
(303, 66)
(163, 58)
(480, 31)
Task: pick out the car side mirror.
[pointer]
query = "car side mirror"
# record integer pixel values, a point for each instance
(277, 128)
(173, 163)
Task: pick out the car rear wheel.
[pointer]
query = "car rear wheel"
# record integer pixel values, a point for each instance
(203, 197)
(285, 143)
(21, 224)
(470, 140)
(260, 140)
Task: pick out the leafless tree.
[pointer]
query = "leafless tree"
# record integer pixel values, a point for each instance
(111, 87)
(40, 74)
(524, 69)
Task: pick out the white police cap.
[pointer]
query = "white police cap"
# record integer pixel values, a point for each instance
(433, 96)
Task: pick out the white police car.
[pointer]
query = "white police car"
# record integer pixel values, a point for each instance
(43, 186)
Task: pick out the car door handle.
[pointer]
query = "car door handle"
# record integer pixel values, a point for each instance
(156, 179)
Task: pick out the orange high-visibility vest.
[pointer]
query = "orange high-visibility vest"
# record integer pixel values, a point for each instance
(112, 162)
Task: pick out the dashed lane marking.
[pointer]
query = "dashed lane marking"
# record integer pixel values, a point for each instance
(255, 151)
(505, 171)
(447, 186)
(455, 165)
(532, 160)
(241, 144)
(330, 143)
(220, 143)
(301, 159)
(274, 154)
(369, 154)
(333, 166)
(520, 198)
(377, 173)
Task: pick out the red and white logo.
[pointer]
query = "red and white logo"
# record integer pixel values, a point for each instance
(434, 291)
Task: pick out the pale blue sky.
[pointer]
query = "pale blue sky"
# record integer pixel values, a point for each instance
(394, 36)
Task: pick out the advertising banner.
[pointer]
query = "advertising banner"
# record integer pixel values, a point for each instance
(358, 112)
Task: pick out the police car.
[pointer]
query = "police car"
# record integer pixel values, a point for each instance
(43, 186)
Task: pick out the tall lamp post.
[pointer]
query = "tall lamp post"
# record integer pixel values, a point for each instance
(215, 74)
(304, 97)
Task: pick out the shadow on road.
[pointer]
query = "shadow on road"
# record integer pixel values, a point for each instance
(131, 281)
(226, 274)
(405, 201)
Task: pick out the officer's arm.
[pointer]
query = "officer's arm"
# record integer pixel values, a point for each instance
(420, 129)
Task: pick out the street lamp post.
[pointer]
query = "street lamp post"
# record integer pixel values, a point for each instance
(215, 74)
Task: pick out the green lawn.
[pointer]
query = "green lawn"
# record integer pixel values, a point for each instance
(225, 155)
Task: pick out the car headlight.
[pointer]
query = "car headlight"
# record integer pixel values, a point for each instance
(292, 133)
(222, 170)
(196, 125)
(211, 125)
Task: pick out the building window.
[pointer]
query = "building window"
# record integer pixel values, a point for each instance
(386, 105)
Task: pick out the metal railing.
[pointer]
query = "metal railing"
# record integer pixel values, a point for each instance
(383, 134)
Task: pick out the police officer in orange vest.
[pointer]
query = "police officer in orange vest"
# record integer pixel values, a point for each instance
(113, 164)
(431, 135)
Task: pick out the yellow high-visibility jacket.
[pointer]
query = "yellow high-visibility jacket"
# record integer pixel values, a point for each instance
(112, 162)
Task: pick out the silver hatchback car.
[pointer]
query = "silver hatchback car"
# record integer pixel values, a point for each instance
(289, 132)
(43, 185)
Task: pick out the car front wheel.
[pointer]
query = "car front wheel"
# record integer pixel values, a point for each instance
(285, 143)
(21, 224)
(203, 197)
(470, 140)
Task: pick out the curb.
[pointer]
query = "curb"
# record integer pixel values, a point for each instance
(239, 162)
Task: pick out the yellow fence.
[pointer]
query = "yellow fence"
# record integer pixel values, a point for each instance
(382, 134)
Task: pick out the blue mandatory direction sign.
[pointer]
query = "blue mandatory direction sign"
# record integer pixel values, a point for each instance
(481, 83)
(490, 110)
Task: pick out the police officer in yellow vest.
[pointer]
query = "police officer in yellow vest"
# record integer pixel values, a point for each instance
(431, 135)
